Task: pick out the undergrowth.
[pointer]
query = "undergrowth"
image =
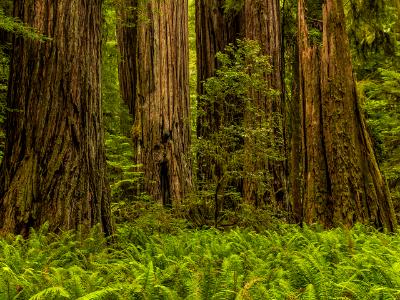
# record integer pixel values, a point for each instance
(285, 263)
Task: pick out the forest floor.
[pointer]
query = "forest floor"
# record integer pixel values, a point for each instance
(287, 262)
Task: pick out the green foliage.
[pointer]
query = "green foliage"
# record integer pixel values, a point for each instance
(238, 94)
(232, 7)
(122, 172)
(15, 26)
(313, 17)
(315, 36)
(192, 67)
(285, 263)
(382, 104)
(373, 29)
(117, 119)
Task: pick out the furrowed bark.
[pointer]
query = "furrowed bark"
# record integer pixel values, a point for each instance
(214, 31)
(261, 21)
(54, 166)
(128, 47)
(160, 98)
(343, 184)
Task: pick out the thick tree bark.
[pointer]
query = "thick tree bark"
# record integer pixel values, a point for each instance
(214, 31)
(54, 167)
(160, 102)
(127, 42)
(261, 22)
(343, 184)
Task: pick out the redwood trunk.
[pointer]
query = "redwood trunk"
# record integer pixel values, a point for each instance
(261, 22)
(54, 167)
(214, 31)
(160, 101)
(127, 42)
(343, 184)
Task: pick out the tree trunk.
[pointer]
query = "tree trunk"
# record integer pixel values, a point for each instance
(261, 22)
(214, 31)
(160, 103)
(54, 167)
(127, 42)
(343, 184)
(296, 154)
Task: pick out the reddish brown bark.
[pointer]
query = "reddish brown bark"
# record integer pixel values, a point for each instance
(343, 184)
(54, 167)
(160, 100)
(261, 21)
(127, 42)
(214, 31)
(296, 155)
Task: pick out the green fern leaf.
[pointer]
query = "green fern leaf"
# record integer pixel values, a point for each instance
(51, 293)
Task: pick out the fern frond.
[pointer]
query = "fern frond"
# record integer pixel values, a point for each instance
(51, 293)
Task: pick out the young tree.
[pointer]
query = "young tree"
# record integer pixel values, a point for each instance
(217, 24)
(342, 181)
(54, 166)
(159, 98)
(216, 28)
(246, 139)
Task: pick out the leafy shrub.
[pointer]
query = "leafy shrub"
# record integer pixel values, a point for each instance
(243, 138)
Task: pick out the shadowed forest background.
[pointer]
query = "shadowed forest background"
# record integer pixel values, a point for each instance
(201, 149)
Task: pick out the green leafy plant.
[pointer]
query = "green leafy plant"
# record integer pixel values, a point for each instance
(287, 262)
(15, 26)
(232, 7)
(382, 104)
(233, 94)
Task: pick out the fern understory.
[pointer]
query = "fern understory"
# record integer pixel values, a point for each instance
(285, 263)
